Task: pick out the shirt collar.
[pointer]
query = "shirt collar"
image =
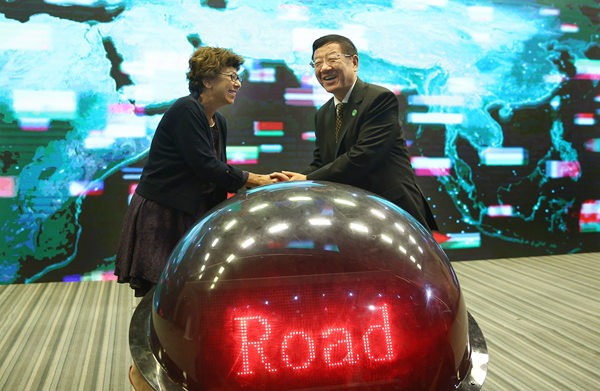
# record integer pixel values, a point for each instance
(347, 97)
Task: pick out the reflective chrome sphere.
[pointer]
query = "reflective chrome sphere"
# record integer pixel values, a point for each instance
(310, 284)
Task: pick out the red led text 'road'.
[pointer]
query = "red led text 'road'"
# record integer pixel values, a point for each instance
(299, 350)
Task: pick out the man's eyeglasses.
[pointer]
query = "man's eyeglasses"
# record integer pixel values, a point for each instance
(233, 76)
(330, 58)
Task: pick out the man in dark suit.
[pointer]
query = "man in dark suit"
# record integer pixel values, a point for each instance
(359, 140)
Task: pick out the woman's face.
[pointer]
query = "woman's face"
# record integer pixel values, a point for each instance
(225, 86)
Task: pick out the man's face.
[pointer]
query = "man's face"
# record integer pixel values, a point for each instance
(335, 73)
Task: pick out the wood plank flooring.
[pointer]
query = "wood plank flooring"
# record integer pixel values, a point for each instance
(540, 317)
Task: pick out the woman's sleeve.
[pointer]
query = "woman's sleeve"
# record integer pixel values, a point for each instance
(194, 140)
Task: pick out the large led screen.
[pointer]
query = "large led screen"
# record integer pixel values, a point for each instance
(500, 99)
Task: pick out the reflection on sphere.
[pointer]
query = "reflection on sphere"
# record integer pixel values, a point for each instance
(310, 284)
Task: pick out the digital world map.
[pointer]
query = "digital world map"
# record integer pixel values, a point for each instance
(500, 99)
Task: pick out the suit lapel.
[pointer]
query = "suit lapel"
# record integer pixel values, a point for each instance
(349, 112)
(329, 134)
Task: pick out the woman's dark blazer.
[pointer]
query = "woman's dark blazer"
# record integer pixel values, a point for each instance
(182, 171)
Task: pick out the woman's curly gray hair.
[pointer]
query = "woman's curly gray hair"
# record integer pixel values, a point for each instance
(207, 62)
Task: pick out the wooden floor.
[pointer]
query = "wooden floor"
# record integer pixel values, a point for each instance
(540, 317)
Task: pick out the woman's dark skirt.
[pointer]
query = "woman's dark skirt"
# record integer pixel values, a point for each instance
(149, 235)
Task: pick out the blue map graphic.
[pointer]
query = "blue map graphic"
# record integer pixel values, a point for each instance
(501, 99)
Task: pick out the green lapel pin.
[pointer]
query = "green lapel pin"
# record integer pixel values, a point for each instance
(354, 112)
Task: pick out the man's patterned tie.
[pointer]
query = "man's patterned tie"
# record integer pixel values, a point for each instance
(338, 120)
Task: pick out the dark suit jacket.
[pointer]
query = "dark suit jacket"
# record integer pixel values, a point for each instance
(182, 171)
(371, 152)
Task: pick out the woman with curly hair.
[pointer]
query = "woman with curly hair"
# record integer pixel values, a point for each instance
(186, 173)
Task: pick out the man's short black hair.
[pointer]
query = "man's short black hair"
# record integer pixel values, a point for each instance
(346, 44)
